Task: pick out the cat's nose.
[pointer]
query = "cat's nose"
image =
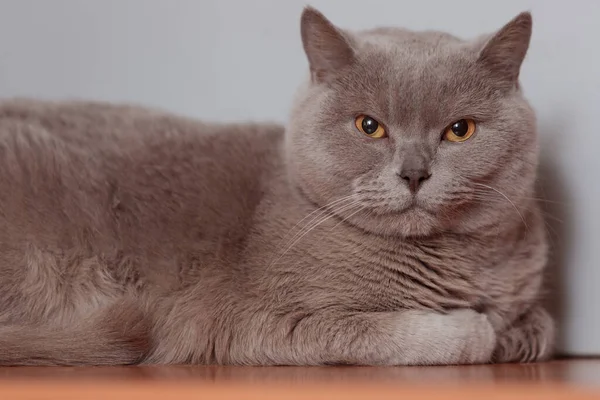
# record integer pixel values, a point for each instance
(414, 178)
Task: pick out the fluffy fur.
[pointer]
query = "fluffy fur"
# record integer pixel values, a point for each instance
(134, 236)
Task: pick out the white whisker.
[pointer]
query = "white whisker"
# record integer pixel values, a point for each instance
(312, 214)
(507, 199)
(360, 208)
(312, 225)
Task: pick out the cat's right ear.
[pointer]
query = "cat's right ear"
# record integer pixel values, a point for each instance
(328, 48)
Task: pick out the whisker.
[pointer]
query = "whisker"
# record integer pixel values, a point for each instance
(311, 226)
(485, 197)
(360, 208)
(539, 199)
(312, 214)
(549, 232)
(552, 217)
(507, 199)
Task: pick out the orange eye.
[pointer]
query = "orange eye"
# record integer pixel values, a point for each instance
(460, 131)
(370, 127)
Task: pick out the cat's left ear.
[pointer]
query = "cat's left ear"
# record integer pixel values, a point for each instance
(328, 49)
(503, 54)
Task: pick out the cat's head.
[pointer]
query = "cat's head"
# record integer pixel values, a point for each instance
(413, 133)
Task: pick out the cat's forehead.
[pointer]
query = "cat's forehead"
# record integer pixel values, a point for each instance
(414, 55)
(412, 76)
(416, 43)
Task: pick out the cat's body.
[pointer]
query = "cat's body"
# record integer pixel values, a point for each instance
(129, 235)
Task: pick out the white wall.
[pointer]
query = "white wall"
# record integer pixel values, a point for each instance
(241, 59)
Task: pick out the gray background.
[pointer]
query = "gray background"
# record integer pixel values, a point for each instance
(242, 59)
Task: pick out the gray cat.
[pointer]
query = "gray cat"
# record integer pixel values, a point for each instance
(392, 222)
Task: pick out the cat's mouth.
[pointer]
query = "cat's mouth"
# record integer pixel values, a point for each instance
(416, 208)
(416, 204)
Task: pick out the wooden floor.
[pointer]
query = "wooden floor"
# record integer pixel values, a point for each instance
(579, 379)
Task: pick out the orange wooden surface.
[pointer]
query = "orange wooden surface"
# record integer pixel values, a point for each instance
(578, 379)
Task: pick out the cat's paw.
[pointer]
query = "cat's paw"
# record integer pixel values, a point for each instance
(478, 336)
(531, 339)
(461, 336)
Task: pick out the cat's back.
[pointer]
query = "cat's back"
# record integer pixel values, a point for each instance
(135, 176)
(123, 134)
(95, 125)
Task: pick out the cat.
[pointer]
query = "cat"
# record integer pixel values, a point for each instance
(392, 221)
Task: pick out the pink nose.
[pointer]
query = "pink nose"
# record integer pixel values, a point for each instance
(414, 178)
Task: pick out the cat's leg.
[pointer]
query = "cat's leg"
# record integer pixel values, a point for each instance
(408, 337)
(531, 338)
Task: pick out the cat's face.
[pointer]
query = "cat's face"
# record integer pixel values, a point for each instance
(417, 132)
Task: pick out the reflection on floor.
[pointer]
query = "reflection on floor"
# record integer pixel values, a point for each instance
(558, 379)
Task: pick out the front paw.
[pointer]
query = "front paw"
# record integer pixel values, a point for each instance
(531, 339)
(479, 338)
(461, 336)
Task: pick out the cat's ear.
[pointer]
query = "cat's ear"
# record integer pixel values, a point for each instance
(328, 48)
(504, 53)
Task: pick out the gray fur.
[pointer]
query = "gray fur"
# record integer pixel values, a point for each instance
(134, 236)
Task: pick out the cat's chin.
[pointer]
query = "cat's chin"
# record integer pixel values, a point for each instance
(411, 222)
